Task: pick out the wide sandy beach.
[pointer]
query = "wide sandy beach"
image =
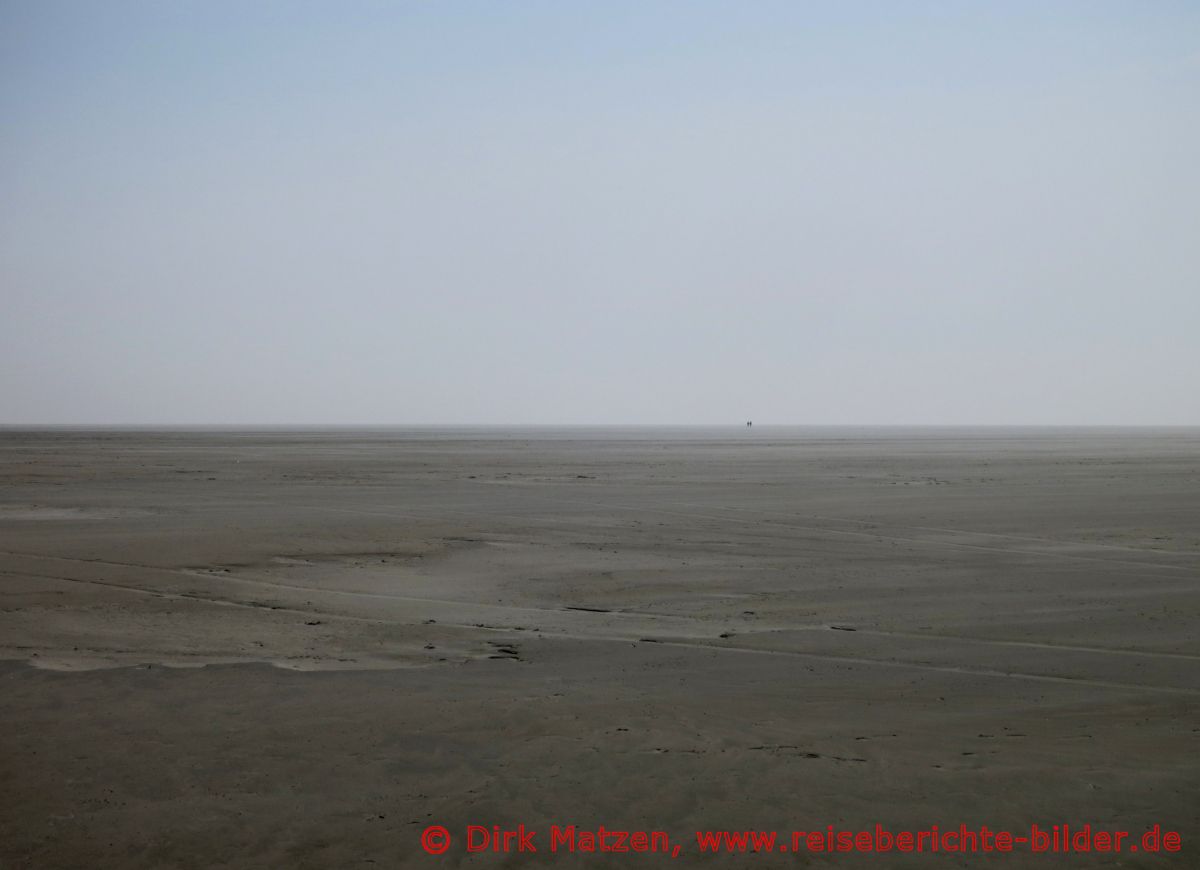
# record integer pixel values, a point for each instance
(302, 648)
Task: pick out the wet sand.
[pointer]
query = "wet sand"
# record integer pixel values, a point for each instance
(251, 649)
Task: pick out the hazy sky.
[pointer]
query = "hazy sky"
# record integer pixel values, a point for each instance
(570, 212)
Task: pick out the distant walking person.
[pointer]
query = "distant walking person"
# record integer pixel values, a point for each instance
(749, 423)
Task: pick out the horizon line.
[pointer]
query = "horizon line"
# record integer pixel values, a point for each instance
(628, 425)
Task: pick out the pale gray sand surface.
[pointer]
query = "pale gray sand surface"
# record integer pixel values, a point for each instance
(641, 628)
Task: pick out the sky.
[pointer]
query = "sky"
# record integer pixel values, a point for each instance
(600, 212)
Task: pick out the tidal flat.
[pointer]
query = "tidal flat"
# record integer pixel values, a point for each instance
(252, 648)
